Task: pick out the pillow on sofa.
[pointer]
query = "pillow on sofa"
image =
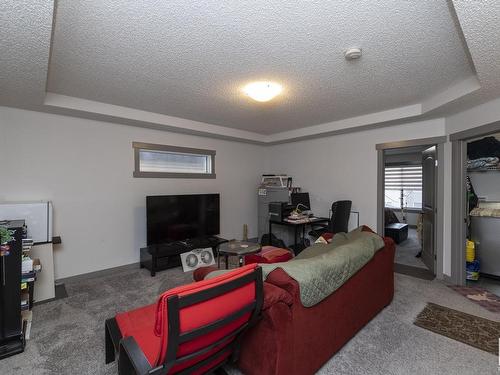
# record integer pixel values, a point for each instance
(269, 254)
(324, 238)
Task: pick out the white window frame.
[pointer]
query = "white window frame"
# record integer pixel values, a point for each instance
(138, 146)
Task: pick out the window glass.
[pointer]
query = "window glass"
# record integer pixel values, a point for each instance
(403, 182)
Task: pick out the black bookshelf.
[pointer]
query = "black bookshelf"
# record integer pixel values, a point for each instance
(11, 330)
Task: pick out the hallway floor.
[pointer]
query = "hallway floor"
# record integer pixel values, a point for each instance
(407, 250)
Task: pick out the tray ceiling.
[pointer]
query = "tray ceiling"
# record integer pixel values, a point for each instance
(182, 64)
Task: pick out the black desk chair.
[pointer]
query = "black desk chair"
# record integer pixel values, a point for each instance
(339, 221)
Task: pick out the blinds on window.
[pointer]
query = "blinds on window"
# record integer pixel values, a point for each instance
(403, 177)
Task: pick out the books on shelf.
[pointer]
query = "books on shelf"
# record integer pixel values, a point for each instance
(27, 265)
(25, 304)
(37, 266)
(30, 267)
(27, 277)
(27, 243)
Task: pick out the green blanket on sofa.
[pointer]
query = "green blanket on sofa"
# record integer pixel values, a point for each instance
(323, 268)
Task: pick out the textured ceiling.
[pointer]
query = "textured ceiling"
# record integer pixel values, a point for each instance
(189, 59)
(25, 29)
(179, 65)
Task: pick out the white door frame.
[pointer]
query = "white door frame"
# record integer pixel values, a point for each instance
(439, 218)
(458, 203)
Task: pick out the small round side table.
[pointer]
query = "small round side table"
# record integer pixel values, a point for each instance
(237, 248)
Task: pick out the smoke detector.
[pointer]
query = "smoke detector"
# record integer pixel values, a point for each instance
(352, 54)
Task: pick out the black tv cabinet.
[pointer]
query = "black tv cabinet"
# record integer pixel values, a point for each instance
(163, 256)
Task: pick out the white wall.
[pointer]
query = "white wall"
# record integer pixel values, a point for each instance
(85, 167)
(344, 166)
(411, 217)
(480, 115)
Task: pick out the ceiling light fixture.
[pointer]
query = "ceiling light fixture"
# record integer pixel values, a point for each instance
(262, 91)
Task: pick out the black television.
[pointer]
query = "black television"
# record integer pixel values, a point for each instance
(180, 217)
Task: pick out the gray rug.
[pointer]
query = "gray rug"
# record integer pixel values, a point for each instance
(421, 273)
(68, 334)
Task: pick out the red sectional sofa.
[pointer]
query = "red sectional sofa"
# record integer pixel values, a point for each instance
(295, 340)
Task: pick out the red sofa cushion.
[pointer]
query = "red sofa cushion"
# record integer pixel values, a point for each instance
(149, 326)
(140, 324)
(269, 254)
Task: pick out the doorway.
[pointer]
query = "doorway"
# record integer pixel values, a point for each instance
(476, 213)
(410, 181)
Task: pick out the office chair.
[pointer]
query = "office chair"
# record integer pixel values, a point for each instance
(339, 221)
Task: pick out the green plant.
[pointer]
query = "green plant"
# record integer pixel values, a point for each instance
(5, 235)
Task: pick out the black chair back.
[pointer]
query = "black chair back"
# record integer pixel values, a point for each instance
(339, 222)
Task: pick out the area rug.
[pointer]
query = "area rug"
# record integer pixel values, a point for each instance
(482, 297)
(470, 329)
(421, 273)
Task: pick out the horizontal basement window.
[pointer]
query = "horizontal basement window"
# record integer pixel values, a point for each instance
(163, 161)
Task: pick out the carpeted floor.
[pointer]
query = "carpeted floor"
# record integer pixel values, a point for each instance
(490, 284)
(406, 251)
(68, 334)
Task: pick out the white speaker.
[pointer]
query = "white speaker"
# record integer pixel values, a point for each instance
(196, 258)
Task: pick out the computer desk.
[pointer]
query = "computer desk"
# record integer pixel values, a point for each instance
(297, 226)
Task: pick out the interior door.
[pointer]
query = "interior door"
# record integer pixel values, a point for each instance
(429, 166)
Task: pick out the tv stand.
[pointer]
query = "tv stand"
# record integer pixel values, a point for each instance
(163, 256)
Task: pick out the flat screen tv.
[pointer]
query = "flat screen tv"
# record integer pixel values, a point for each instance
(181, 217)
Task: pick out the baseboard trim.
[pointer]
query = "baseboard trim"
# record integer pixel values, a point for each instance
(60, 294)
(448, 279)
(100, 273)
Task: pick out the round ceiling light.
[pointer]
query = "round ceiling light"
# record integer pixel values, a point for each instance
(262, 91)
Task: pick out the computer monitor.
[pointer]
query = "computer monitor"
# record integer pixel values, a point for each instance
(301, 198)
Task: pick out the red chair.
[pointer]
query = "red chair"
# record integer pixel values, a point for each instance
(192, 329)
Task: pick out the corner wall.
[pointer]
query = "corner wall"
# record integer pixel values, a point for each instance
(85, 168)
(344, 166)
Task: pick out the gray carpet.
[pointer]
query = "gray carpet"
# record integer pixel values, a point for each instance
(406, 250)
(490, 284)
(68, 334)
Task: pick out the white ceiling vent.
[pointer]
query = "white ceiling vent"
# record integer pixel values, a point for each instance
(352, 54)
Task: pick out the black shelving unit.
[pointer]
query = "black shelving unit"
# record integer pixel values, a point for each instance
(11, 330)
